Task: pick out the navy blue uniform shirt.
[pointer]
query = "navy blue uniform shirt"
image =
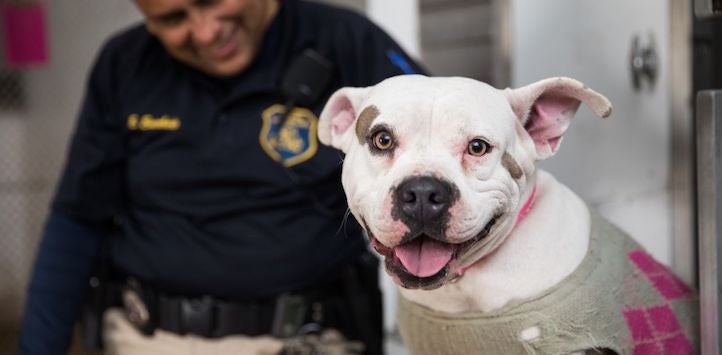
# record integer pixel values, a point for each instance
(183, 172)
(190, 164)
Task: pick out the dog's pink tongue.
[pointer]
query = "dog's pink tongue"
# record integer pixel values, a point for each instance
(424, 257)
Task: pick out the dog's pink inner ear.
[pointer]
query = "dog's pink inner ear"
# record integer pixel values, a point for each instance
(342, 114)
(548, 119)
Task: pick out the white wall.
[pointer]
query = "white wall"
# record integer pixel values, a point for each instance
(619, 165)
(399, 18)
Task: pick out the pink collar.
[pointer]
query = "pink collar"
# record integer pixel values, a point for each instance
(527, 206)
(519, 217)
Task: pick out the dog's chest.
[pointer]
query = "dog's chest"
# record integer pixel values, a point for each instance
(619, 298)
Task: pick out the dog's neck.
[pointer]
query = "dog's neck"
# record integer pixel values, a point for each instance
(548, 242)
(519, 217)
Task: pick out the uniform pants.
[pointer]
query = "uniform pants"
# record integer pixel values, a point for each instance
(120, 337)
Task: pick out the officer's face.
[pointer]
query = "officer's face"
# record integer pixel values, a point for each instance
(217, 37)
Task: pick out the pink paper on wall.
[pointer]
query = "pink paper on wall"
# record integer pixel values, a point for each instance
(24, 29)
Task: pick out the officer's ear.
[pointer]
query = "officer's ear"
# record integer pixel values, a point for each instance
(338, 118)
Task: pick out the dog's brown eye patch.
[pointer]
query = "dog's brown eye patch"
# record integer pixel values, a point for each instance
(478, 147)
(512, 166)
(365, 119)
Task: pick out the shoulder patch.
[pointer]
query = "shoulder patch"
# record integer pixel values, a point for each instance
(293, 143)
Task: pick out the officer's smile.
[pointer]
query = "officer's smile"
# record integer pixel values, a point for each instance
(227, 46)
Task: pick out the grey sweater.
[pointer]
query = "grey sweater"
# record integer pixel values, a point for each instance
(618, 298)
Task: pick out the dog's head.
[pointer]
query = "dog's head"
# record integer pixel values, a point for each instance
(438, 169)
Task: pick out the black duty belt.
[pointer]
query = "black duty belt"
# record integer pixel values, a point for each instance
(210, 317)
(350, 302)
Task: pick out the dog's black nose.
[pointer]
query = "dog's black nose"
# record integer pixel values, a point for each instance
(423, 199)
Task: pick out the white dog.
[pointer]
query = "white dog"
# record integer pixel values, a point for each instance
(493, 255)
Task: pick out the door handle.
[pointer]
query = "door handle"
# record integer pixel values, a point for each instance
(644, 63)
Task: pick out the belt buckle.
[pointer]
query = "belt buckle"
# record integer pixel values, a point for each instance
(288, 316)
(197, 316)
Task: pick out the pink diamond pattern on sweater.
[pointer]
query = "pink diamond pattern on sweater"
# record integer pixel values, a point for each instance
(656, 330)
(638, 325)
(663, 319)
(668, 285)
(646, 349)
(678, 344)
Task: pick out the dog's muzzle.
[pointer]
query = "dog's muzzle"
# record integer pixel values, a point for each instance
(425, 262)
(422, 203)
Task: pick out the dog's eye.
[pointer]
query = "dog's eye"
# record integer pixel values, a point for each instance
(478, 147)
(383, 140)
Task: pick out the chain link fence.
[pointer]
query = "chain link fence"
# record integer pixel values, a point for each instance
(23, 200)
(38, 106)
(20, 193)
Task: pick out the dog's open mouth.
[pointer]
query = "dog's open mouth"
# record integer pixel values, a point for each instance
(424, 262)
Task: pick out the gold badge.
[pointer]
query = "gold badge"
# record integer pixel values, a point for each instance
(295, 141)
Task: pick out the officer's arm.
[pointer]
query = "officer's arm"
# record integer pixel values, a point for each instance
(88, 197)
(58, 286)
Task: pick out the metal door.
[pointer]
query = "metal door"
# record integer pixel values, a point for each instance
(622, 165)
(707, 82)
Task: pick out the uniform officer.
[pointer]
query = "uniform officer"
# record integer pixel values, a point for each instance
(211, 205)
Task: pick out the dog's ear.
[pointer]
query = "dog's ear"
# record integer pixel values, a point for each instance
(335, 126)
(547, 107)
